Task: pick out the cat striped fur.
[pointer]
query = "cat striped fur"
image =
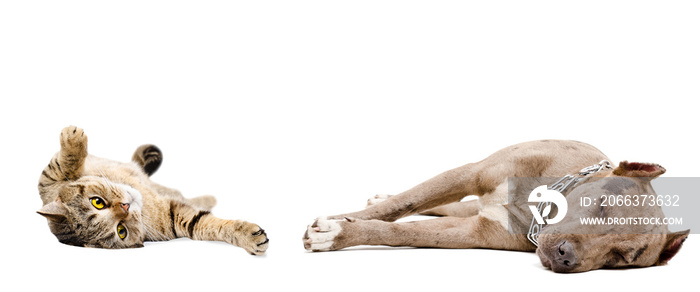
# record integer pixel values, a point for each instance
(95, 202)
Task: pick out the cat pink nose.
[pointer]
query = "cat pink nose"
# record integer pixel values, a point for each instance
(125, 206)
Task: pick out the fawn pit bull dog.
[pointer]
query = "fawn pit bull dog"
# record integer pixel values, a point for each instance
(484, 223)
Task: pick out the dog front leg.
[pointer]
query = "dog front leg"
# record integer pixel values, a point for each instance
(447, 232)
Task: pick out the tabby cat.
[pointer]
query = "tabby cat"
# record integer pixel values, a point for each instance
(95, 202)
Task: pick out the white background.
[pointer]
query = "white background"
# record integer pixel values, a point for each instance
(289, 110)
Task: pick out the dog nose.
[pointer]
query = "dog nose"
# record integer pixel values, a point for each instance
(125, 206)
(564, 257)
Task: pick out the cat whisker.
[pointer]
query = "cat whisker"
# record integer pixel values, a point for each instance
(151, 232)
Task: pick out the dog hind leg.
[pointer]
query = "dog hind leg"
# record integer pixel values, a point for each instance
(464, 209)
(458, 209)
(449, 187)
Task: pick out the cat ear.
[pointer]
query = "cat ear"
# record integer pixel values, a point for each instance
(54, 211)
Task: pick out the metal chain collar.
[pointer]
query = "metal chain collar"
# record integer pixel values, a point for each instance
(560, 186)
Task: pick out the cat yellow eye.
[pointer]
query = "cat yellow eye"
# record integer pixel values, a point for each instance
(121, 231)
(97, 202)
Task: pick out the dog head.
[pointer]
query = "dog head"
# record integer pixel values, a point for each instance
(574, 246)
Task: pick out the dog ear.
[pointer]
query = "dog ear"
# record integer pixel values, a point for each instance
(638, 169)
(54, 211)
(674, 241)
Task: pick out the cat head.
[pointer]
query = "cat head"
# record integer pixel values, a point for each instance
(94, 212)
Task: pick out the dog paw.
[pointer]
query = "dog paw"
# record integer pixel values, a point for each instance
(377, 199)
(255, 240)
(321, 235)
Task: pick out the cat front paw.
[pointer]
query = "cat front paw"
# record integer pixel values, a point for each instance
(255, 240)
(73, 142)
(73, 152)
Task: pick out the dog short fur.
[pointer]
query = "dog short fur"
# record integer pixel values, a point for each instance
(483, 223)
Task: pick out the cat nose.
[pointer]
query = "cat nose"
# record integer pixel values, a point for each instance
(125, 206)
